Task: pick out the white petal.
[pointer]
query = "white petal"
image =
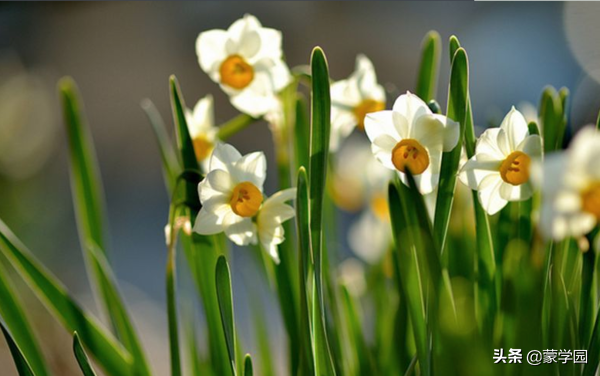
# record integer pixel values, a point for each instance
(281, 197)
(210, 48)
(345, 94)
(369, 238)
(219, 181)
(382, 148)
(531, 145)
(474, 171)
(488, 144)
(511, 192)
(411, 107)
(342, 124)
(515, 126)
(203, 118)
(258, 98)
(223, 157)
(428, 130)
(489, 195)
(242, 232)
(386, 123)
(252, 168)
(207, 223)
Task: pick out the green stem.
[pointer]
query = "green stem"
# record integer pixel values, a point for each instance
(171, 296)
(235, 125)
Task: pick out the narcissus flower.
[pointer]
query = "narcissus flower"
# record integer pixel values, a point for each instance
(232, 201)
(200, 122)
(353, 98)
(571, 188)
(500, 168)
(411, 137)
(246, 60)
(231, 194)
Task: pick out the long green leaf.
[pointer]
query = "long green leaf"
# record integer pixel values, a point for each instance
(171, 287)
(235, 125)
(111, 355)
(11, 310)
(429, 67)
(308, 366)
(225, 298)
(457, 110)
(21, 363)
(317, 174)
(89, 207)
(82, 358)
(408, 276)
(248, 371)
(170, 164)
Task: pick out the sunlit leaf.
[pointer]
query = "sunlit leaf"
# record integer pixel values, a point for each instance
(82, 358)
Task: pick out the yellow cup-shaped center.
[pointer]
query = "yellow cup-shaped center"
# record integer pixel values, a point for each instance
(365, 107)
(410, 154)
(203, 147)
(245, 199)
(380, 208)
(515, 168)
(591, 200)
(236, 72)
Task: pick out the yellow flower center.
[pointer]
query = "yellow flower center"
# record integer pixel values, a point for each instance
(380, 208)
(365, 107)
(591, 200)
(409, 153)
(236, 72)
(515, 168)
(245, 199)
(203, 147)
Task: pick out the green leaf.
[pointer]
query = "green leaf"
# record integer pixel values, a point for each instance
(89, 208)
(301, 133)
(550, 116)
(109, 353)
(170, 164)
(235, 125)
(248, 366)
(11, 310)
(429, 67)
(171, 287)
(224, 296)
(21, 363)
(409, 276)
(85, 176)
(307, 361)
(454, 46)
(457, 110)
(82, 358)
(317, 175)
(185, 146)
(593, 349)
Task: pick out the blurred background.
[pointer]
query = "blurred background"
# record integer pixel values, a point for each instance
(120, 53)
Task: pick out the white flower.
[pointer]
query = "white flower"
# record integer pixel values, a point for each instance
(371, 236)
(571, 188)
(351, 273)
(351, 190)
(232, 201)
(231, 194)
(201, 125)
(269, 219)
(411, 137)
(246, 60)
(353, 98)
(500, 168)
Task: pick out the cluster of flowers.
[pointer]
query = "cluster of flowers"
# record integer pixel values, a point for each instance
(247, 62)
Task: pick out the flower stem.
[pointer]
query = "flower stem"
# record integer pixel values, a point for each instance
(235, 125)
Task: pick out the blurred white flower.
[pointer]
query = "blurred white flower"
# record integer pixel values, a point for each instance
(371, 235)
(411, 137)
(271, 215)
(28, 121)
(351, 273)
(351, 191)
(246, 60)
(232, 201)
(231, 194)
(571, 188)
(500, 168)
(353, 98)
(201, 125)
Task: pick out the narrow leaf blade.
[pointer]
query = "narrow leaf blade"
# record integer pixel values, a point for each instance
(82, 358)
